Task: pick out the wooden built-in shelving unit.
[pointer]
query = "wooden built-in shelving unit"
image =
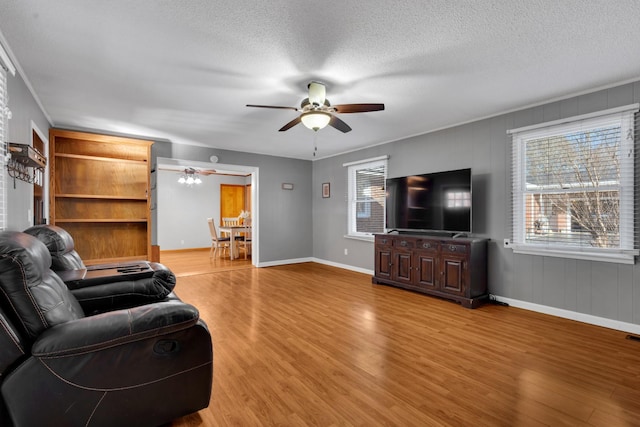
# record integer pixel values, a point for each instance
(100, 194)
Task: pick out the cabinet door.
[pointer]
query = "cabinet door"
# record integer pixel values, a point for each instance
(426, 261)
(402, 266)
(453, 272)
(426, 270)
(383, 262)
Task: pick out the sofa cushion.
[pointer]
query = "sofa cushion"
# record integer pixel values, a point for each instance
(33, 297)
(60, 244)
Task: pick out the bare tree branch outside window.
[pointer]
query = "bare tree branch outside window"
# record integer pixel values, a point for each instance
(573, 192)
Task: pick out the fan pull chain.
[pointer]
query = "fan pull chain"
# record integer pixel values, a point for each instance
(315, 143)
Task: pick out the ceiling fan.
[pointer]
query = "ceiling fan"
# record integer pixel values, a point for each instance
(189, 175)
(317, 111)
(188, 170)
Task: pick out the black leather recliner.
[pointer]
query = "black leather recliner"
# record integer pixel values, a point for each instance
(132, 283)
(141, 365)
(61, 246)
(68, 264)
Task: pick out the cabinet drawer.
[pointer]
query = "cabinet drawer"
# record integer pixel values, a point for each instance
(450, 248)
(427, 245)
(383, 240)
(404, 243)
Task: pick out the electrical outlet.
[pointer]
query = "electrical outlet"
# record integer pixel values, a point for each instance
(346, 251)
(507, 243)
(182, 242)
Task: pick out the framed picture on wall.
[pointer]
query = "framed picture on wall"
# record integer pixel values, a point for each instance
(326, 190)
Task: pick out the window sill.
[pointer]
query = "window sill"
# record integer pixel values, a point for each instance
(363, 238)
(623, 257)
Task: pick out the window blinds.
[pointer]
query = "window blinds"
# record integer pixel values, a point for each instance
(6, 66)
(367, 196)
(4, 117)
(573, 184)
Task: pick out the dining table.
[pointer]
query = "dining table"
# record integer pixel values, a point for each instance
(233, 231)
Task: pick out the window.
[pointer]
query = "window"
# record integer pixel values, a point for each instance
(458, 199)
(5, 115)
(366, 198)
(573, 187)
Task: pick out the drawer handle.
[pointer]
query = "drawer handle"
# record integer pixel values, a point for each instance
(452, 248)
(383, 240)
(426, 245)
(403, 243)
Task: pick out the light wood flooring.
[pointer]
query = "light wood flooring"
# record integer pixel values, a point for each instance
(313, 345)
(197, 261)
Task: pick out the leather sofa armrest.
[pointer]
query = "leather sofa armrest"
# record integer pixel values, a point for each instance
(72, 275)
(115, 328)
(101, 274)
(118, 295)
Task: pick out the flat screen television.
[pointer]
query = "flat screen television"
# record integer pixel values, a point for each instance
(431, 202)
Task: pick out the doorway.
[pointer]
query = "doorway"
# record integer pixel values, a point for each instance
(177, 213)
(40, 142)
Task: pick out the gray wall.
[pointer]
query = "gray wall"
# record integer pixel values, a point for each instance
(605, 290)
(25, 110)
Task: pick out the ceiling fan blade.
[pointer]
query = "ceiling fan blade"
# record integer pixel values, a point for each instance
(273, 106)
(291, 124)
(207, 172)
(339, 124)
(358, 108)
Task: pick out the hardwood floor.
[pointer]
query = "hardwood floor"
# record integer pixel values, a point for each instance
(313, 345)
(197, 261)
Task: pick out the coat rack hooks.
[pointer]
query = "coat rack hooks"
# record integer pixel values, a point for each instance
(23, 157)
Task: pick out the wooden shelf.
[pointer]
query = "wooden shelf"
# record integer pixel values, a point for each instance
(98, 158)
(89, 220)
(114, 260)
(97, 196)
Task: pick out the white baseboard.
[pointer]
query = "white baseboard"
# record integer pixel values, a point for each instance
(573, 315)
(343, 266)
(285, 262)
(318, 260)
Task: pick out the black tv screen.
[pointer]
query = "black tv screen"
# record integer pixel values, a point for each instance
(430, 202)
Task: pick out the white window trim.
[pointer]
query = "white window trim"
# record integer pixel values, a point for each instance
(351, 215)
(627, 226)
(5, 115)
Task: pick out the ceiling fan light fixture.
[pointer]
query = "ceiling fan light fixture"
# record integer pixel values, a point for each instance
(317, 93)
(315, 120)
(189, 176)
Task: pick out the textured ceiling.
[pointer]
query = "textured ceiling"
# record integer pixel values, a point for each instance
(184, 70)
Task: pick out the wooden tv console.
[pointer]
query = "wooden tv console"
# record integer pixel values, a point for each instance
(446, 267)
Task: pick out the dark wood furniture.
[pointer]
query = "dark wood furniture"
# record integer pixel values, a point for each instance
(451, 268)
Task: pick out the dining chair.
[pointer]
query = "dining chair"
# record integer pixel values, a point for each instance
(228, 222)
(217, 242)
(231, 222)
(244, 244)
